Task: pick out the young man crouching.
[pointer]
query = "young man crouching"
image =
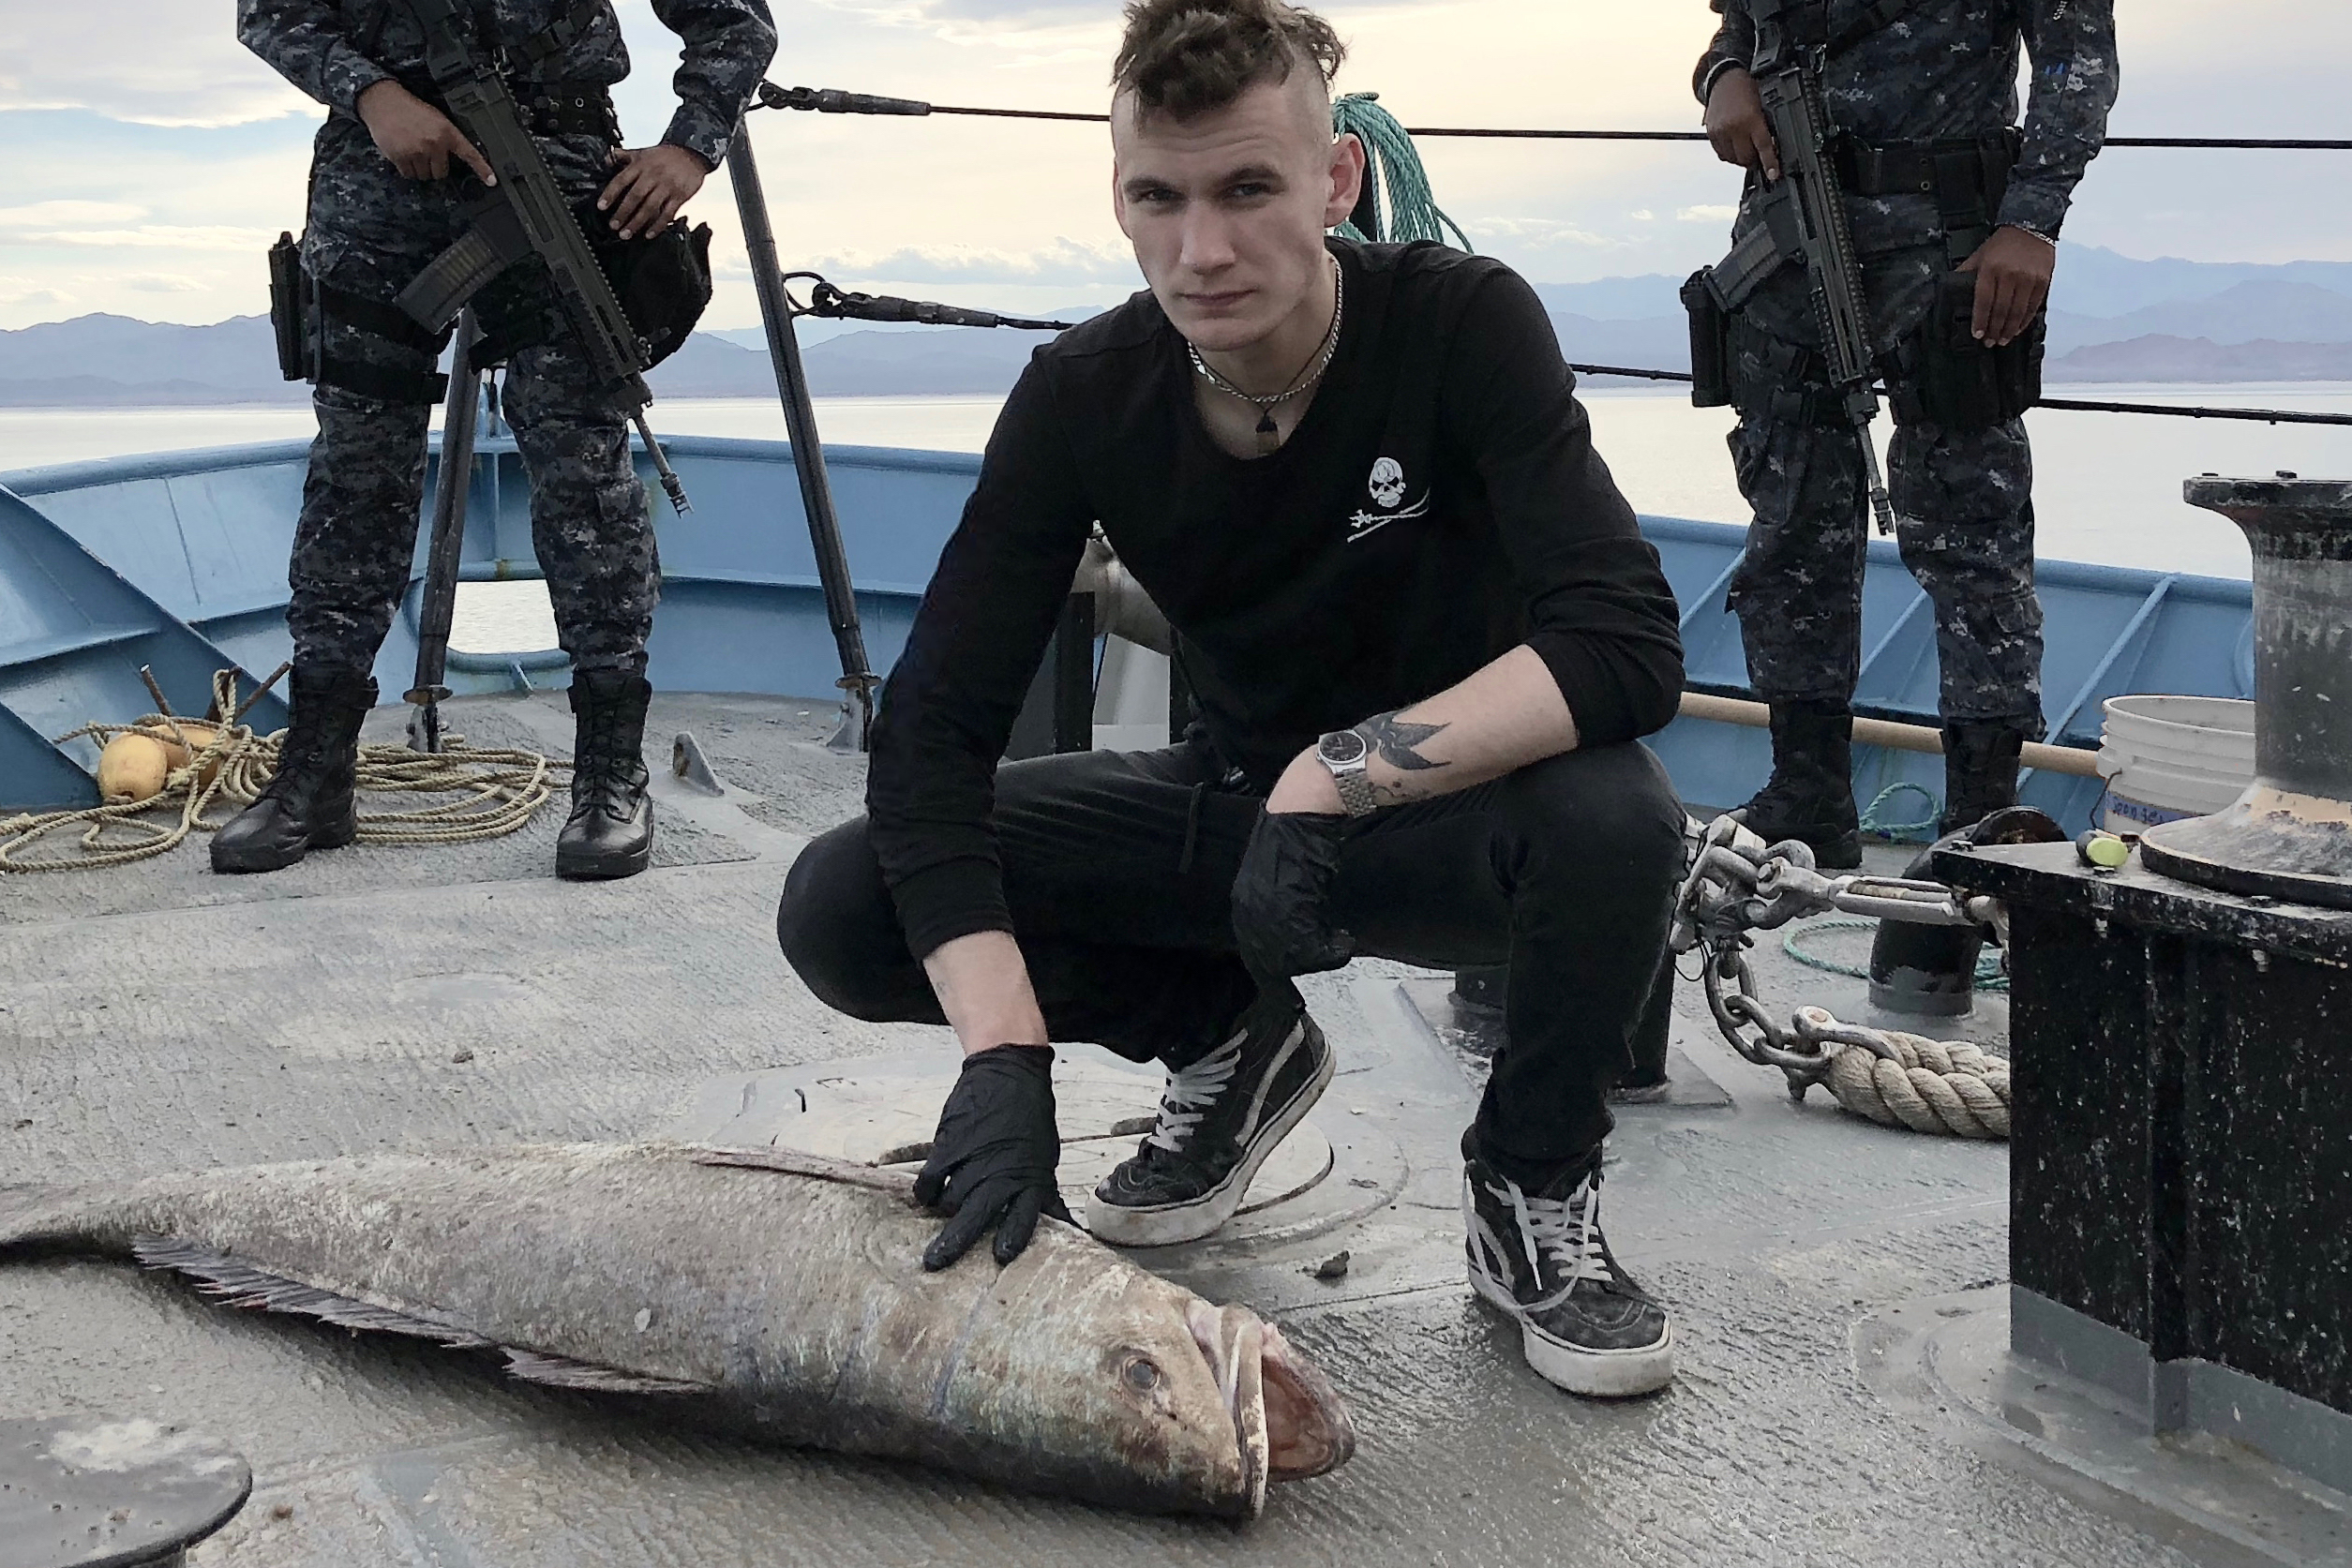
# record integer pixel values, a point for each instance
(1423, 631)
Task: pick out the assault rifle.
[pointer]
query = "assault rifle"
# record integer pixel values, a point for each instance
(1806, 223)
(524, 215)
(439, 610)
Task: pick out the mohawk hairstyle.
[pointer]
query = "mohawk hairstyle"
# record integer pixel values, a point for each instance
(1188, 57)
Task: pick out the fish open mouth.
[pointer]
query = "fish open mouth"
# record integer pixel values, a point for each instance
(1289, 1421)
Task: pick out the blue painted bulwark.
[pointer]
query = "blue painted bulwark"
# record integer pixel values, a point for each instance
(73, 635)
(207, 534)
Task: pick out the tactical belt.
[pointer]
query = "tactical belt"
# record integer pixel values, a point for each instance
(1899, 168)
(1968, 175)
(549, 107)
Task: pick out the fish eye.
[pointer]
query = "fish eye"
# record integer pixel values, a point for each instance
(1141, 1375)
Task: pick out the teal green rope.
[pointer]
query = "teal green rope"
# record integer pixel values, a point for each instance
(1395, 168)
(1906, 832)
(1988, 971)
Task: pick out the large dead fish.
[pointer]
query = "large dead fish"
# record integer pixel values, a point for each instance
(780, 1289)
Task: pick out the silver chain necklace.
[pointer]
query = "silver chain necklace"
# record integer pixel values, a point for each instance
(1304, 379)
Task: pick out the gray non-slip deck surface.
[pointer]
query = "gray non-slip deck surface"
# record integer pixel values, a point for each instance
(158, 1018)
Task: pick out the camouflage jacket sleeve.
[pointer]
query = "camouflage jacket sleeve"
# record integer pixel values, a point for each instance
(1734, 44)
(2072, 43)
(306, 41)
(728, 45)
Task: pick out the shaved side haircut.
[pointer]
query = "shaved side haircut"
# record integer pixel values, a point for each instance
(1188, 57)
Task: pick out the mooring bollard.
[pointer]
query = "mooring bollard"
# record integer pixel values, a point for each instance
(82, 1491)
(2290, 835)
(2180, 1164)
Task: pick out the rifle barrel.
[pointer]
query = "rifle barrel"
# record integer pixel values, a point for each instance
(451, 488)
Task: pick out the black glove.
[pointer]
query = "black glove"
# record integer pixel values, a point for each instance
(992, 1160)
(1280, 921)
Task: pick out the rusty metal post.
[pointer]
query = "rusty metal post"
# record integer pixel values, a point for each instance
(2290, 835)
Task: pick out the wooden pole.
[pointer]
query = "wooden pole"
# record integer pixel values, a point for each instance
(2070, 760)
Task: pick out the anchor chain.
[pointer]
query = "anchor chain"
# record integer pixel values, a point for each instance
(1738, 885)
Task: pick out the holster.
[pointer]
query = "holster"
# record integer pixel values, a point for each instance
(1956, 381)
(1711, 361)
(286, 306)
(301, 308)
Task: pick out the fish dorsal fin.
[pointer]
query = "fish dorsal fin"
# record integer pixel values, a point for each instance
(232, 1280)
(557, 1371)
(239, 1283)
(899, 1183)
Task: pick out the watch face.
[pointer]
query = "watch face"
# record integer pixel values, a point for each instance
(1341, 747)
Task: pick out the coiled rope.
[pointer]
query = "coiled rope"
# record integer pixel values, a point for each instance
(1990, 975)
(494, 793)
(1903, 1080)
(1393, 164)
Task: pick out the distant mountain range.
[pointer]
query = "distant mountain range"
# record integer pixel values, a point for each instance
(2113, 319)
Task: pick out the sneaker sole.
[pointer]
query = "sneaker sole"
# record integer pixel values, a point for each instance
(1580, 1369)
(1167, 1224)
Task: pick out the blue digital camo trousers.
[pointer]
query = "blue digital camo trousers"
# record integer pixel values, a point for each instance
(371, 230)
(1963, 503)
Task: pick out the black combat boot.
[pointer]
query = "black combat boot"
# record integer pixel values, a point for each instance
(308, 805)
(610, 833)
(1540, 1255)
(1810, 795)
(1979, 770)
(1219, 1118)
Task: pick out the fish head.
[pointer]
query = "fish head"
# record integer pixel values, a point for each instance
(1216, 1400)
(1290, 1423)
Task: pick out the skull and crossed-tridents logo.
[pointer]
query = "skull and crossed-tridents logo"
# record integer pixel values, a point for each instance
(1386, 488)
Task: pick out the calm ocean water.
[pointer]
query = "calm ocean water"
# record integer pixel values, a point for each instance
(2107, 486)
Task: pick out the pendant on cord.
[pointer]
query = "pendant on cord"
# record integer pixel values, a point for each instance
(1265, 423)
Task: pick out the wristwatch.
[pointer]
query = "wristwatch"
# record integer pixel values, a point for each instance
(1349, 756)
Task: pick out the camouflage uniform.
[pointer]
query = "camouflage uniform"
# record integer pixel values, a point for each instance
(1963, 499)
(371, 231)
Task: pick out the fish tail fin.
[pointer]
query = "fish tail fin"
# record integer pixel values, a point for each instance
(33, 1214)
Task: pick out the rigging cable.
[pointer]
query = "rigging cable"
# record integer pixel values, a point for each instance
(830, 100)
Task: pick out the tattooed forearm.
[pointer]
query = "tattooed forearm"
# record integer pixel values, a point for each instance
(1398, 742)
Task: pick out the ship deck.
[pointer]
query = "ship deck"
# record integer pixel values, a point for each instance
(1830, 1279)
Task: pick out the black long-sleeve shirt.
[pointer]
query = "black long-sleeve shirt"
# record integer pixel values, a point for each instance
(1439, 503)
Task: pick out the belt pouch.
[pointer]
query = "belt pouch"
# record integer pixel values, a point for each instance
(285, 306)
(662, 280)
(1710, 344)
(1963, 384)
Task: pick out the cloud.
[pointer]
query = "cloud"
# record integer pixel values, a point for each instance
(31, 291)
(42, 215)
(153, 236)
(162, 283)
(152, 62)
(1536, 233)
(1063, 261)
(1713, 213)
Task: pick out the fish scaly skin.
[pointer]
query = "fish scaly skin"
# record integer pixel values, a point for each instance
(778, 1291)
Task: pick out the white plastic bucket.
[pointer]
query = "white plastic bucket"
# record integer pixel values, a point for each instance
(2169, 758)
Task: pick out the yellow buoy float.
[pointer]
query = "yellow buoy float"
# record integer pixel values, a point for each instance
(133, 767)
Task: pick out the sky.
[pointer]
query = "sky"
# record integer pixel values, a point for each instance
(151, 165)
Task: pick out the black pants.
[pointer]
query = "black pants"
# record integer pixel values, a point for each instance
(1119, 868)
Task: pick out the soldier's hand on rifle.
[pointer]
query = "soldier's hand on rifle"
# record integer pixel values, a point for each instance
(1737, 127)
(419, 139)
(2013, 280)
(654, 183)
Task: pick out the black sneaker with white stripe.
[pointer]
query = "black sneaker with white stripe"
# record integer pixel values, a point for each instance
(1540, 1257)
(1219, 1118)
